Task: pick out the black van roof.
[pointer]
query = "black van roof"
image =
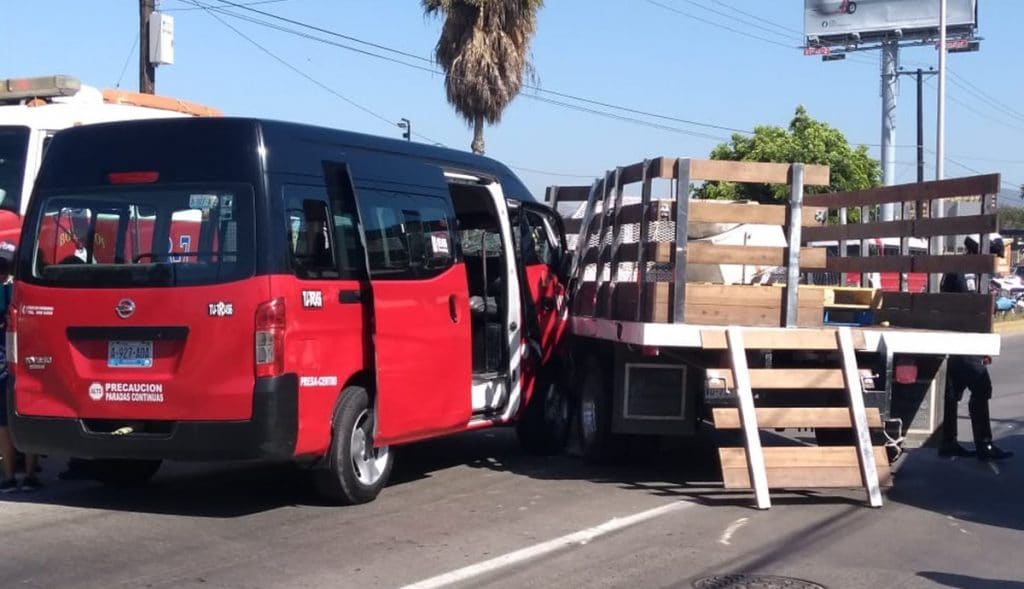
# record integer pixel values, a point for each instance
(287, 136)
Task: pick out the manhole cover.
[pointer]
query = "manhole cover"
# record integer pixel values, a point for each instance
(742, 581)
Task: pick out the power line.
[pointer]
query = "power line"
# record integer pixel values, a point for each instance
(191, 8)
(758, 17)
(433, 70)
(127, 60)
(326, 31)
(211, 11)
(436, 71)
(756, 25)
(980, 113)
(715, 24)
(546, 173)
(962, 82)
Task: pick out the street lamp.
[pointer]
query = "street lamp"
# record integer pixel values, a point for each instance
(407, 125)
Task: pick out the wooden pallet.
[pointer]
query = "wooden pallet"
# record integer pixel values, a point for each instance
(758, 468)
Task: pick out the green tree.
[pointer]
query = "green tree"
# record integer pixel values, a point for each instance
(806, 140)
(484, 50)
(1010, 218)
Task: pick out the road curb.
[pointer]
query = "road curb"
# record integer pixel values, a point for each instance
(1014, 326)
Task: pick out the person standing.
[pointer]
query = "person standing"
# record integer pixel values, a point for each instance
(7, 451)
(969, 372)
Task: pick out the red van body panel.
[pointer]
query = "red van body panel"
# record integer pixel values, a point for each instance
(326, 345)
(204, 372)
(423, 356)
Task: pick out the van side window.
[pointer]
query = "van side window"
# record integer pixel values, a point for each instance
(310, 232)
(407, 235)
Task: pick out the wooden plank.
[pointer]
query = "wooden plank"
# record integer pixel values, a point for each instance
(866, 462)
(945, 321)
(858, 231)
(980, 264)
(755, 172)
(781, 339)
(786, 378)
(659, 167)
(935, 189)
(718, 304)
(568, 193)
(822, 477)
(724, 211)
(800, 456)
(703, 252)
(793, 417)
(958, 303)
(909, 228)
(955, 225)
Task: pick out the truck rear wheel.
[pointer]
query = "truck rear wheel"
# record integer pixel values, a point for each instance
(353, 470)
(594, 412)
(543, 428)
(123, 473)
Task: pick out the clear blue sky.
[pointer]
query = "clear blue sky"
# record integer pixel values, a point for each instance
(627, 52)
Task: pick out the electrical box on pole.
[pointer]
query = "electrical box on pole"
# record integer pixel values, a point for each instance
(161, 39)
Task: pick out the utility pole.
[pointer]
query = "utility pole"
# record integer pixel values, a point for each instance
(920, 126)
(890, 80)
(940, 143)
(147, 71)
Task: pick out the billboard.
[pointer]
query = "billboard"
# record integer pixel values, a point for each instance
(843, 21)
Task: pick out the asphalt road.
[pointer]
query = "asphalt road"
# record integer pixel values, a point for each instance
(474, 511)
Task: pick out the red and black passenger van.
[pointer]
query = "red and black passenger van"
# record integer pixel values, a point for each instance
(213, 289)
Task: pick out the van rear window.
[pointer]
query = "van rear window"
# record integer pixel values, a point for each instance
(154, 236)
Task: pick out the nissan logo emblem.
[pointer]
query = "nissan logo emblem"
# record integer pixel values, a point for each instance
(125, 308)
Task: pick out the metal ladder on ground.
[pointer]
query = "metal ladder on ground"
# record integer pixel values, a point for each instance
(760, 468)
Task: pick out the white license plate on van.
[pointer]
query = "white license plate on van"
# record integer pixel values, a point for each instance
(130, 354)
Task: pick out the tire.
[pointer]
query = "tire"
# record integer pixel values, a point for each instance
(543, 428)
(852, 8)
(123, 473)
(353, 471)
(594, 415)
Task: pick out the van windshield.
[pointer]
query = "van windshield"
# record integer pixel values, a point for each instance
(157, 236)
(13, 150)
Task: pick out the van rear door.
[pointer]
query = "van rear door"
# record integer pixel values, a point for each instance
(139, 302)
(421, 337)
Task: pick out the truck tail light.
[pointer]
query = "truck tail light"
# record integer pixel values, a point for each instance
(270, 338)
(905, 371)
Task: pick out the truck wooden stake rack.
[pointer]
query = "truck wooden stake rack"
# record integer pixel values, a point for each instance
(725, 312)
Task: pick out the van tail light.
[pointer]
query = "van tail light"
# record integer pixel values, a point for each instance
(12, 335)
(270, 338)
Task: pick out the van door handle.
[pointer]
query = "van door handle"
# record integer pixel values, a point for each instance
(453, 309)
(350, 297)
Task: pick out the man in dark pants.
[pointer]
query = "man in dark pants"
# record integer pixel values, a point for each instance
(969, 372)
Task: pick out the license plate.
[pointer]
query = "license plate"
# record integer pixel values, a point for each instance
(130, 354)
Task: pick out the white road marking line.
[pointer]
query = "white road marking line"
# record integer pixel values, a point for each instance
(581, 537)
(727, 534)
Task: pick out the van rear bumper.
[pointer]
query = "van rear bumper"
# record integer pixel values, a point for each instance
(270, 434)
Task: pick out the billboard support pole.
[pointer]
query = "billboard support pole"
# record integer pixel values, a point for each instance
(890, 57)
(937, 208)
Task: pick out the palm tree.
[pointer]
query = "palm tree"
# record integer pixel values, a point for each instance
(484, 50)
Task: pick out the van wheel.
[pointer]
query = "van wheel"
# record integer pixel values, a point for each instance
(594, 412)
(543, 428)
(354, 471)
(123, 473)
